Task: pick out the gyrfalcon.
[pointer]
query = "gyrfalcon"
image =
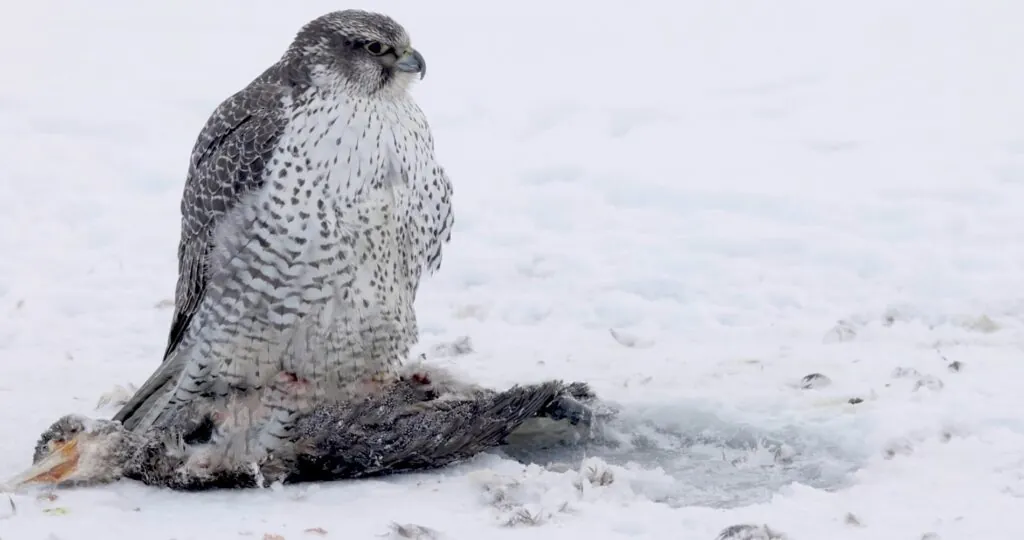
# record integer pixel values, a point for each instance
(313, 205)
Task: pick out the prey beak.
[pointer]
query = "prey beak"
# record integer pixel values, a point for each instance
(412, 61)
(53, 469)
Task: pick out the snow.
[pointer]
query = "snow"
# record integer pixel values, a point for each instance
(691, 205)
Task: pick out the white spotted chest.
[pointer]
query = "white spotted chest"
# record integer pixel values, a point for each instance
(352, 175)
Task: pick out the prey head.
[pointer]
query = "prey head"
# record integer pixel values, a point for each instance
(76, 450)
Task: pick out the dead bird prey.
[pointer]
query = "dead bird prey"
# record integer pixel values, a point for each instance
(424, 420)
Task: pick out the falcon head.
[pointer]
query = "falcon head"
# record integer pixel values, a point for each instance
(368, 52)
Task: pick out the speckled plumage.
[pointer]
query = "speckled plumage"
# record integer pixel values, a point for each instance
(312, 207)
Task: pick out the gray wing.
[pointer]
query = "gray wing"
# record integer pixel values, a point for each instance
(228, 161)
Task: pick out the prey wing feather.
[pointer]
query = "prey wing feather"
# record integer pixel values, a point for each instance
(374, 438)
(228, 162)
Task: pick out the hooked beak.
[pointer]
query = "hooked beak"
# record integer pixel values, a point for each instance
(412, 61)
(53, 469)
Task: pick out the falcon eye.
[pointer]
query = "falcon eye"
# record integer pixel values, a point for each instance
(376, 48)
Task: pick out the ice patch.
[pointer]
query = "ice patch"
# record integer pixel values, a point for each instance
(686, 455)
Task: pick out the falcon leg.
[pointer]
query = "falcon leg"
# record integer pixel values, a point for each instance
(168, 459)
(222, 358)
(169, 462)
(286, 399)
(247, 438)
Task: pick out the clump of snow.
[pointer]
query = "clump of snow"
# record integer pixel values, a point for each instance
(749, 532)
(814, 380)
(413, 532)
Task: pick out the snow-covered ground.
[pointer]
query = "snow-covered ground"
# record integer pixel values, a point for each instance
(692, 205)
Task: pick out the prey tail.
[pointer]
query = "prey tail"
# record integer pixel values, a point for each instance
(382, 437)
(574, 403)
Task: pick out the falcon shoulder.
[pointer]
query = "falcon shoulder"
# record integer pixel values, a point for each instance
(227, 163)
